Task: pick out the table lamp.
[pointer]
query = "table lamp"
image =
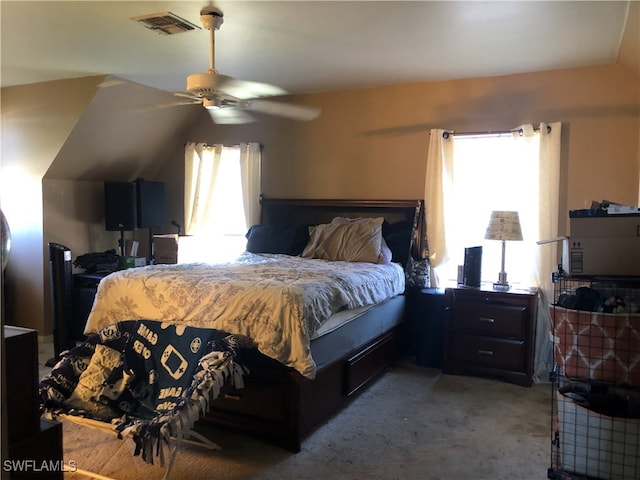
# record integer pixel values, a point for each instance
(503, 226)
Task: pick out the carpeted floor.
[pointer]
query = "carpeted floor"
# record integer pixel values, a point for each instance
(413, 423)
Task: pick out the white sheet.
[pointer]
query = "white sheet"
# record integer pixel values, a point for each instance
(275, 302)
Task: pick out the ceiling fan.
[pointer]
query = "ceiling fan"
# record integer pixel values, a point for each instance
(229, 100)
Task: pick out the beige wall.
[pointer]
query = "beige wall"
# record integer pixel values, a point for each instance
(372, 143)
(60, 142)
(36, 121)
(368, 143)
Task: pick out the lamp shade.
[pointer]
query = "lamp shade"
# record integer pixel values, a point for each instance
(503, 226)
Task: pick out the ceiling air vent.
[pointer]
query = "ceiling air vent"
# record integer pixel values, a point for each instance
(165, 23)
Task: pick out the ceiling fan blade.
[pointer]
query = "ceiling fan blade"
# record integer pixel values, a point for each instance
(230, 116)
(182, 99)
(186, 95)
(227, 98)
(245, 89)
(288, 110)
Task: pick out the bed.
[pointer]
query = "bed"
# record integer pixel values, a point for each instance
(326, 354)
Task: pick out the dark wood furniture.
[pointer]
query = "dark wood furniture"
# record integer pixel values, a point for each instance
(490, 332)
(277, 402)
(35, 445)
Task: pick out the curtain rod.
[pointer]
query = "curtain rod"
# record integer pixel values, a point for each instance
(446, 134)
(226, 145)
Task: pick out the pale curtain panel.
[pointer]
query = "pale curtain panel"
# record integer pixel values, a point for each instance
(250, 170)
(202, 164)
(547, 254)
(517, 169)
(437, 186)
(527, 142)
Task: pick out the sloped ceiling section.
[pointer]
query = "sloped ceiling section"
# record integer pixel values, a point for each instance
(127, 131)
(309, 46)
(629, 53)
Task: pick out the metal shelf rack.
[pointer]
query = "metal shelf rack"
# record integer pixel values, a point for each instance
(595, 403)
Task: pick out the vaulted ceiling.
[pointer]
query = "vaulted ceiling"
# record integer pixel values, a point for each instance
(302, 46)
(309, 46)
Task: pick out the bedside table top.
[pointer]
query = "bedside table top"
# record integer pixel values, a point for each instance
(488, 287)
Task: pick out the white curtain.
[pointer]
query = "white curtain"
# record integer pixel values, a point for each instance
(202, 167)
(438, 183)
(202, 164)
(547, 258)
(250, 170)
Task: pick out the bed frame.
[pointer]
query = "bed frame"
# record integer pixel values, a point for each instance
(279, 404)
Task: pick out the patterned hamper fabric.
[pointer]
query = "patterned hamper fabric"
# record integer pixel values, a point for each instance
(598, 346)
(147, 378)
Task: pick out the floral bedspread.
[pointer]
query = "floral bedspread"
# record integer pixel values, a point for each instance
(273, 302)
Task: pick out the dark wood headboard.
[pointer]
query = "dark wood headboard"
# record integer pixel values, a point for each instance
(291, 211)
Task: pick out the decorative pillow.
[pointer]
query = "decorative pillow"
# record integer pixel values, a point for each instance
(287, 239)
(418, 273)
(365, 220)
(350, 242)
(91, 382)
(385, 252)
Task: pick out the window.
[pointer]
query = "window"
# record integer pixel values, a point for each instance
(215, 201)
(492, 172)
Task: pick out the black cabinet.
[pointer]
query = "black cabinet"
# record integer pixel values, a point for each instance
(34, 445)
(85, 286)
(21, 350)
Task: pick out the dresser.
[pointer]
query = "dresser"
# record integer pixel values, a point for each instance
(490, 332)
(34, 444)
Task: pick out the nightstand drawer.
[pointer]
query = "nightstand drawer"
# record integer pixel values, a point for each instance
(491, 352)
(498, 320)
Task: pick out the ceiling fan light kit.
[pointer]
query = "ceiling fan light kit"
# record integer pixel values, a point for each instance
(217, 92)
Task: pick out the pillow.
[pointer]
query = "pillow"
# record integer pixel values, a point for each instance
(287, 239)
(365, 220)
(350, 242)
(385, 252)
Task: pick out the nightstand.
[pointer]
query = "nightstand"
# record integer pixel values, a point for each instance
(490, 332)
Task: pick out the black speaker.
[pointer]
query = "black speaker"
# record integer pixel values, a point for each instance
(120, 209)
(431, 305)
(472, 266)
(151, 204)
(61, 275)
